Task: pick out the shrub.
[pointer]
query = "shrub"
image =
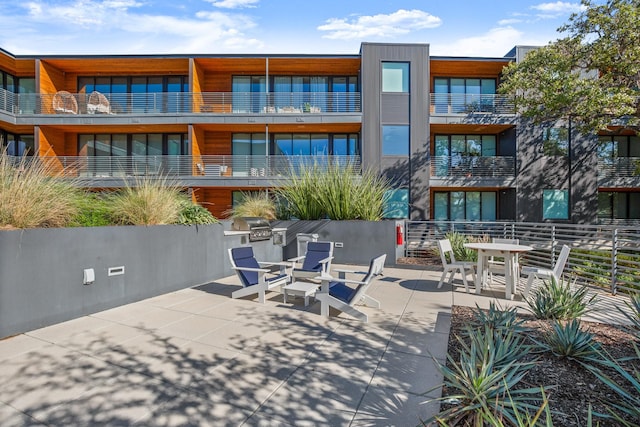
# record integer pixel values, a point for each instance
(570, 341)
(558, 301)
(152, 201)
(255, 204)
(458, 240)
(192, 214)
(93, 210)
(32, 195)
(334, 191)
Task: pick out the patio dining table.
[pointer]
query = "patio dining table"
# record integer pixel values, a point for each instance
(510, 254)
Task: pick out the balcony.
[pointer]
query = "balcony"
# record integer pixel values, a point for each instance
(180, 103)
(195, 169)
(456, 171)
(619, 172)
(465, 104)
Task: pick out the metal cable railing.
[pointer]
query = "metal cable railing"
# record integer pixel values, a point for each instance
(468, 166)
(188, 166)
(181, 102)
(453, 103)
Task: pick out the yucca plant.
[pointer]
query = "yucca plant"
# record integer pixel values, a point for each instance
(32, 194)
(150, 201)
(558, 300)
(498, 318)
(568, 339)
(255, 204)
(485, 379)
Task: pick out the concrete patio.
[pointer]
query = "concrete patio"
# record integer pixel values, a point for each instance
(197, 357)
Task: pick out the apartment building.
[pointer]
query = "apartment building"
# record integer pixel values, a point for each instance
(224, 124)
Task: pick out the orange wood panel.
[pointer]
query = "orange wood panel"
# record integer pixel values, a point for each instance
(51, 79)
(51, 142)
(238, 65)
(17, 129)
(468, 128)
(217, 143)
(336, 66)
(17, 67)
(466, 68)
(114, 65)
(218, 200)
(91, 128)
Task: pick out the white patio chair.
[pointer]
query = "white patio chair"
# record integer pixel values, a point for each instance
(338, 294)
(450, 265)
(545, 273)
(252, 274)
(315, 262)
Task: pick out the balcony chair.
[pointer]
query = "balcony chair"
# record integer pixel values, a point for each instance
(338, 294)
(497, 265)
(545, 273)
(64, 103)
(450, 265)
(252, 274)
(315, 262)
(98, 104)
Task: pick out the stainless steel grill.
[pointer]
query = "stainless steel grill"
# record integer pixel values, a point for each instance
(258, 228)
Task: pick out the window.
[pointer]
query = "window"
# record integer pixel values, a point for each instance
(397, 203)
(618, 205)
(395, 140)
(465, 205)
(314, 144)
(463, 95)
(395, 77)
(140, 144)
(555, 204)
(461, 151)
(17, 145)
(610, 147)
(555, 142)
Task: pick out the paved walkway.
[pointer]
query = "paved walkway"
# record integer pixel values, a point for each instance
(197, 357)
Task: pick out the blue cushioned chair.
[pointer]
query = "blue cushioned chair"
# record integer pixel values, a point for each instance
(338, 293)
(315, 262)
(252, 274)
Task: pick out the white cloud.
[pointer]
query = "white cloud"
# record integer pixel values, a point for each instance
(505, 22)
(559, 8)
(121, 26)
(494, 43)
(382, 25)
(233, 4)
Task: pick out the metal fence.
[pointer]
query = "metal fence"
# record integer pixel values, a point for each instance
(604, 256)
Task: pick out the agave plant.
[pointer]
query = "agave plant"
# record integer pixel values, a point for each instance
(559, 300)
(569, 340)
(626, 405)
(499, 318)
(484, 380)
(634, 316)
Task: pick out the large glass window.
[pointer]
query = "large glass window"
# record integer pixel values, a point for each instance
(461, 151)
(397, 203)
(395, 140)
(17, 145)
(610, 147)
(618, 205)
(460, 95)
(555, 142)
(555, 204)
(395, 77)
(465, 205)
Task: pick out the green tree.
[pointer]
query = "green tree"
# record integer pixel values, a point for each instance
(591, 75)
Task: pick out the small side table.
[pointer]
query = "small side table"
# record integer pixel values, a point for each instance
(301, 289)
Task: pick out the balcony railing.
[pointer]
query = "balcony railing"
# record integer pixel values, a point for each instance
(186, 166)
(619, 167)
(181, 102)
(451, 103)
(472, 166)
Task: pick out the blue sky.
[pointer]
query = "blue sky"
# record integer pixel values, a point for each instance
(452, 28)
